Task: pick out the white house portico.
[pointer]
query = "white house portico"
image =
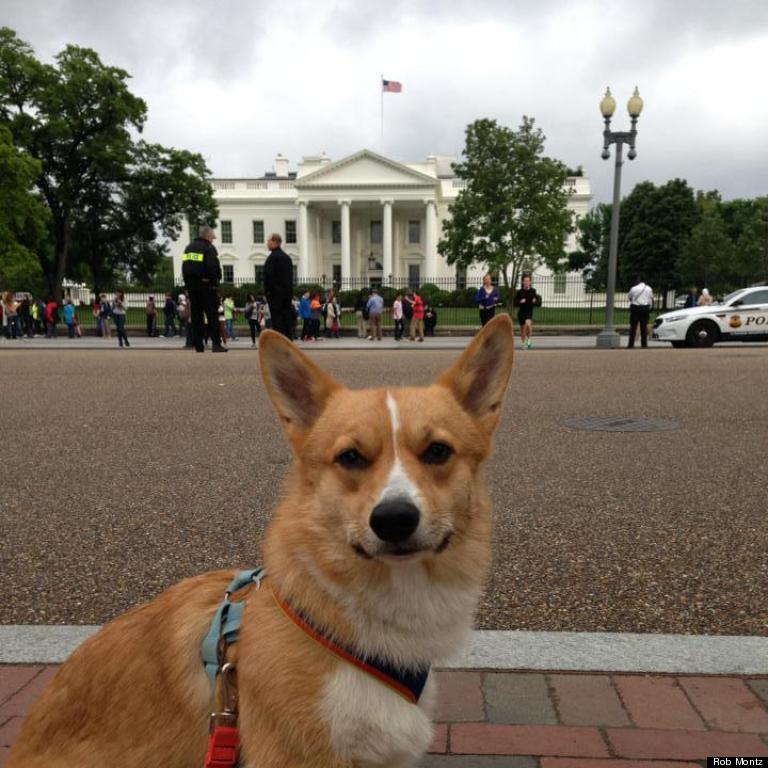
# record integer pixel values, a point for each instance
(362, 219)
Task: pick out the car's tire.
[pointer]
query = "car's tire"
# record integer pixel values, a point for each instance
(703, 333)
(678, 344)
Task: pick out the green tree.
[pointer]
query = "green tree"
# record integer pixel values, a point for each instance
(654, 225)
(593, 236)
(746, 222)
(23, 218)
(512, 211)
(707, 258)
(79, 119)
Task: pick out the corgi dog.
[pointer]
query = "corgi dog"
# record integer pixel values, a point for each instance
(374, 564)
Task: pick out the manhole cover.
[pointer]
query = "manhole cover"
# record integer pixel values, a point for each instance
(621, 424)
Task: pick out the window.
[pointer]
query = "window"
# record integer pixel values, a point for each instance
(375, 282)
(229, 273)
(226, 231)
(756, 297)
(414, 232)
(290, 231)
(376, 233)
(258, 231)
(258, 274)
(337, 274)
(335, 232)
(295, 274)
(414, 275)
(559, 282)
(461, 278)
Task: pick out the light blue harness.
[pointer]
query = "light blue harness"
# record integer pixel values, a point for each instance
(225, 627)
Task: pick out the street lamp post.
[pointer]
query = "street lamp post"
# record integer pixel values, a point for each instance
(608, 338)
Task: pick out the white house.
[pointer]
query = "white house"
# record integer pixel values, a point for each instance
(359, 220)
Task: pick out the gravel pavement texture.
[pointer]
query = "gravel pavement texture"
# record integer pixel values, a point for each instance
(102, 505)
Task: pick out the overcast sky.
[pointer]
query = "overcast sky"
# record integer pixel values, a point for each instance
(240, 81)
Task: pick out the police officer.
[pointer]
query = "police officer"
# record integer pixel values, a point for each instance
(278, 287)
(202, 273)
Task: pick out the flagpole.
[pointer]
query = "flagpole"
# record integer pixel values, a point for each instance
(381, 89)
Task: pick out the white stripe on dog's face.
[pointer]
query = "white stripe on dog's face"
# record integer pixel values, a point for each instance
(398, 484)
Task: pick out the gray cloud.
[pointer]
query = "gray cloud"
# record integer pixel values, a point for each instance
(300, 77)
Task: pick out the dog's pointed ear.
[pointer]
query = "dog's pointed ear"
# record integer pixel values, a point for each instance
(478, 379)
(297, 387)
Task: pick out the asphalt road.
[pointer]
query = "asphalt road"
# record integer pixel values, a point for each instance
(101, 507)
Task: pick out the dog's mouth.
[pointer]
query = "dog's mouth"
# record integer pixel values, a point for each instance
(403, 552)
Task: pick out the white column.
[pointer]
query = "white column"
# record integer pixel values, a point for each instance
(431, 240)
(304, 247)
(386, 240)
(346, 245)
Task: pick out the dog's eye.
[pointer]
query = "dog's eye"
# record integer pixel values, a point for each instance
(352, 459)
(437, 453)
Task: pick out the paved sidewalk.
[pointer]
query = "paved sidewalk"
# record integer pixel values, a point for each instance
(243, 343)
(546, 720)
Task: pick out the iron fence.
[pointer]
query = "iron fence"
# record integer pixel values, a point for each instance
(567, 300)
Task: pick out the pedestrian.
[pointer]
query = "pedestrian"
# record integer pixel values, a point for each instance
(51, 318)
(229, 317)
(316, 311)
(361, 315)
(119, 313)
(150, 310)
(34, 312)
(42, 327)
(706, 298)
(223, 335)
(252, 316)
(25, 320)
(185, 320)
(640, 304)
(11, 315)
(526, 299)
(397, 316)
(332, 315)
(278, 286)
(169, 310)
(417, 316)
(430, 320)
(305, 315)
(265, 317)
(69, 318)
(105, 312)
(375, 307)
(692, 298)
(201, 271)
(487, 300)
(97, 316)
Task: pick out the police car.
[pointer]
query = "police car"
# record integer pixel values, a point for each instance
(740, 316)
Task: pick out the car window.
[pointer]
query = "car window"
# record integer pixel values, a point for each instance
(733, 296)
(756, 297)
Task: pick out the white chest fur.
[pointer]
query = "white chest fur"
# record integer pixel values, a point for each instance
(372, 725)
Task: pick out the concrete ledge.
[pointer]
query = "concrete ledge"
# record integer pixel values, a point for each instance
(616, 652)
(554, 651)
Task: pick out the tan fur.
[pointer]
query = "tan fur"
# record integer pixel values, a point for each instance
(136, 695)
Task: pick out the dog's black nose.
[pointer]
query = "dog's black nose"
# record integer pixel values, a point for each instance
(394, 521)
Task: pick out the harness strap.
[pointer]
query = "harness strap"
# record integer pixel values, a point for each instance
(225, 627)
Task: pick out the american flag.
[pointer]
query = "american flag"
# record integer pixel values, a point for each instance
(391, 86)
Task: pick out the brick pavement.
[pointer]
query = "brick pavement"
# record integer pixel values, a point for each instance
(553, 720)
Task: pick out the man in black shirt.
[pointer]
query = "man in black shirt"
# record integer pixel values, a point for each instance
(278, 287)
(201, 271)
